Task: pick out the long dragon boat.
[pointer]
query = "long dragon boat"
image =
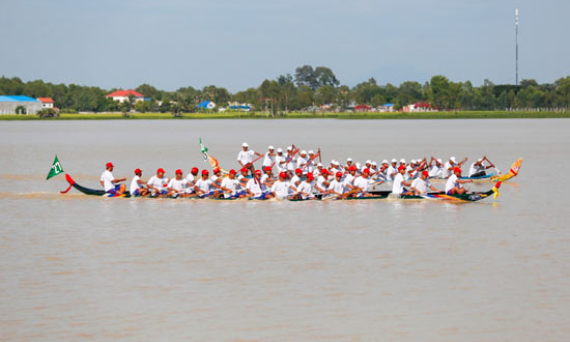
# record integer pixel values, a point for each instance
(375, 195)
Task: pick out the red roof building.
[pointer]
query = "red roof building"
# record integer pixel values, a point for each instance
(123, 95)
(47, 102)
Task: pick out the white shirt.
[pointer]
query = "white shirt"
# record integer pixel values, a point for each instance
(301, 161)
(232, 184)
(204, 185)
(268, 160)
(178, 185)
(135, 184)
(320, 183)
(436, 171)
(421, 185)
(348, 180)
(445, 172)
(294, 180)
(452, 183)
(398, 187)
(245, 157)
(291, 165)
(159, 183)
(305, 187)
(107, 179)
(475, 168)
(281, 189)
(191, 179)
(337, 186)
(278, 160)
(363, 183)
(389, 171)
(253, 187)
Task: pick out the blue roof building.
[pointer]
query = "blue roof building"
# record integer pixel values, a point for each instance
(9, 104)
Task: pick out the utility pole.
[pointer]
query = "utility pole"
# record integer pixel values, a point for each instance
(517, 46)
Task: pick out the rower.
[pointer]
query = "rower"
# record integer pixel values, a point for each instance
(269, 158)
(349, 163)
(435, 170)
(280, 160)
(450, 165)
(336, 187)
(362, 183)
(383, 170)
(305, 188)
(157, 184)
(203, 185)
(453, 185)
(290, 164)
(177, 185)
(478, 168)
(138, 185)
(296, 179)
(317, 171)
(110, 183)
(323, 182)
(267, 178)
(350, 177)
(411, 170)
(367, 165)
(302, 160)
(231, 186)
(373, 167)
(311, 161)
(253, 187)
(399, 182)
(402, 162)
(335, 167)
(243, 177)
(280, 189)
(192, 176)
(421, 184)
(245, 157)
(392, 170)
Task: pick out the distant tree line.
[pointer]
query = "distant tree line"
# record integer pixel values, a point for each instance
(308, 89)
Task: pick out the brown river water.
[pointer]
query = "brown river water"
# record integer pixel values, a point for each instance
(74, 267)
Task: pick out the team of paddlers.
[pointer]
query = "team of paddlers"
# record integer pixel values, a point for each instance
(299, 175)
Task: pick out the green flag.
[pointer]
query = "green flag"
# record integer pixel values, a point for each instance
(56, 169)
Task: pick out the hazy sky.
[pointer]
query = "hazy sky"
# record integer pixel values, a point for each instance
(237, 44)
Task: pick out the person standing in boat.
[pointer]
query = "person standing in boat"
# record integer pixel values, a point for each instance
(454, 184)
(478, 168)
(157, 184)
(245, 157)
(138, 187)
(110, 183)
(269, 158)
(421, 184)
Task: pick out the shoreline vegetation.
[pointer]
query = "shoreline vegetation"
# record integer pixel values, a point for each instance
(301, 115)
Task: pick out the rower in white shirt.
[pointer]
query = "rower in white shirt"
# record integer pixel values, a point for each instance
(137, 187)
(110, 183)
(435, 168)
(245, 157)
(421, 184)
(302, 160)
(349, 178)
(335, 167)
(310, 161)
(254, 190)
(323, 182)
(392, 170)
(296, 179)
(280, 160)
(203, 186)
(280, 188)
(243, 178)
(267, 178)
(217, 178)
(290, 165)
(157, 184)
(349, 163)
(305, 188)
(399, 182)
(450, 166)
(478, 168)
(231, 186)
(383, 171)
(269, 159)
(177, 185)
(454, 184)
(336, 187)
(363, 183)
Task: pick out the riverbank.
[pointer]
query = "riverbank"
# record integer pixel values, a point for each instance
(301, 115)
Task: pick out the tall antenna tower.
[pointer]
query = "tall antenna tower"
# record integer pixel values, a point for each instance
(517, 46)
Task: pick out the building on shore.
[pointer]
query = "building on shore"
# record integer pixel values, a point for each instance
(19, 104)
(47, 102)
(124, 95)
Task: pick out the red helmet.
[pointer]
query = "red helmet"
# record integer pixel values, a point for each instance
(339, 174)
(194, 170)
(310, 176)
(108, 165)
(352, 168)
(258, 172)
(456, 170)
(232, 172)
(298, 170)
(283, 174)
(267, 168)
(178, 172)
(401, 167)
(205, 172)
(161, 170)
(425, 173)
(366, 170)
(138, 171)
(216, 170)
